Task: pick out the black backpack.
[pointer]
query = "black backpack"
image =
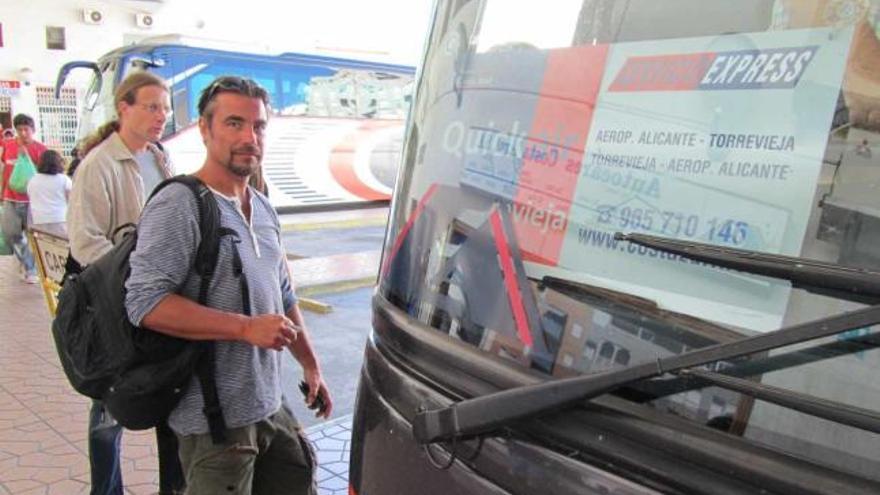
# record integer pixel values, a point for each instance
(140, 374)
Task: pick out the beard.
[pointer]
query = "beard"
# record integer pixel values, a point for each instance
(244, 161)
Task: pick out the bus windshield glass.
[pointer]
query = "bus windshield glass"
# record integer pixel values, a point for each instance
(98, 102)
(537, 145)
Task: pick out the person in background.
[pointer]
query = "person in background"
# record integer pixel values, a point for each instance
(16, 204)
(121, 166)
(49, 190)
(75, 158)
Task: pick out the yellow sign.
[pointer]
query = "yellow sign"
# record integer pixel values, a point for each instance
(50, 247)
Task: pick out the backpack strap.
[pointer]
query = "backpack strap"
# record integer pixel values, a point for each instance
(206, 372)
(209, 225)
(205, 264)
(238, 270)
(206, 367)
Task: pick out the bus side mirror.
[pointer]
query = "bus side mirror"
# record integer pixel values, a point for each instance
(69, 66)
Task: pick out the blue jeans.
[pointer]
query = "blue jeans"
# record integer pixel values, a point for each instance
(14, 224)
(105, 439)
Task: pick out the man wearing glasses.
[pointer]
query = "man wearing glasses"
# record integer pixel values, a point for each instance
(264, 452)
(120, 167)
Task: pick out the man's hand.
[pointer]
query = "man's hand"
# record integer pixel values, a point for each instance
(270, 331)
(318, 387)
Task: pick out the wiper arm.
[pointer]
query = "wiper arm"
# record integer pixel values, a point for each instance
(846, 414)
(486, 413)
(853, 284)
(654, 389)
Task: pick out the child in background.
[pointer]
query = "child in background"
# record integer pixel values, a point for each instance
(49, 189)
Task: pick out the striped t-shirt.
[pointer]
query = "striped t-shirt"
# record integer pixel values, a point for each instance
(248, 378)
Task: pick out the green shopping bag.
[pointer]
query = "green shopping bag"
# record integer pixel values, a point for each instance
(22, 172)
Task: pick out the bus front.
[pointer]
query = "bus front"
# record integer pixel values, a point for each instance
(97, 102)
(613, 263)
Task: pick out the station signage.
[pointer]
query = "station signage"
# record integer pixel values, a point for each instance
(716, 140)
(9, 88)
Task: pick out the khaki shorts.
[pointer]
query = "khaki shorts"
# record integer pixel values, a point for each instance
(271, 457)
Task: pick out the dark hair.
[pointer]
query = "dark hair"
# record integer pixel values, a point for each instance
(51, 162)
(240, 86)
(127, 92)
(230, 84)
(8, 133)
(23, 119)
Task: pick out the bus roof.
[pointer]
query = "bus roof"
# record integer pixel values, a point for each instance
(255, 52)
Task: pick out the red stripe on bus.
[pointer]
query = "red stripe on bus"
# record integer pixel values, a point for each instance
(341, 162)
(406, 228)
(510, 280)
(552, 163)
(534, 258)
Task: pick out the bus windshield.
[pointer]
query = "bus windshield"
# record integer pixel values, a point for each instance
(98, 101)
(577, 148)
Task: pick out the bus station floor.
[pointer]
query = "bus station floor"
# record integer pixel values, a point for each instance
(43, 421)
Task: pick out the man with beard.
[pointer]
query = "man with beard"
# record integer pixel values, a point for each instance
(264, 451)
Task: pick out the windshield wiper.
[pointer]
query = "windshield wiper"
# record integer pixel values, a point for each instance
(654, 389)
(486, 413)
(838, 412)
(853, 284)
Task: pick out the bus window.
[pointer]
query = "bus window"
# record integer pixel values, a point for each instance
(606, 351)
(99, 97)
(182, 113)
(622, 357)
(598, 187)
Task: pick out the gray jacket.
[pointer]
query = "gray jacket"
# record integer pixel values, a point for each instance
(108, 192)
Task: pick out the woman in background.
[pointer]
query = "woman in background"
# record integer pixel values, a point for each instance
(49, 189)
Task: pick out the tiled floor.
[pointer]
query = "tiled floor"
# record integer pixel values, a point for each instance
(43, 421)
(332, 442)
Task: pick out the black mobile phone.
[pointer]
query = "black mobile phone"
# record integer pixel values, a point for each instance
(319, 403)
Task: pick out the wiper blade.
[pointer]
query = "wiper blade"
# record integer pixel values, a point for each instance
(486, 413)
(846, 414)
(654, 389)
(854, 284)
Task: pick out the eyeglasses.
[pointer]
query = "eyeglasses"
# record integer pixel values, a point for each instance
(155, 108)
(225, 83)
(233, 84)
